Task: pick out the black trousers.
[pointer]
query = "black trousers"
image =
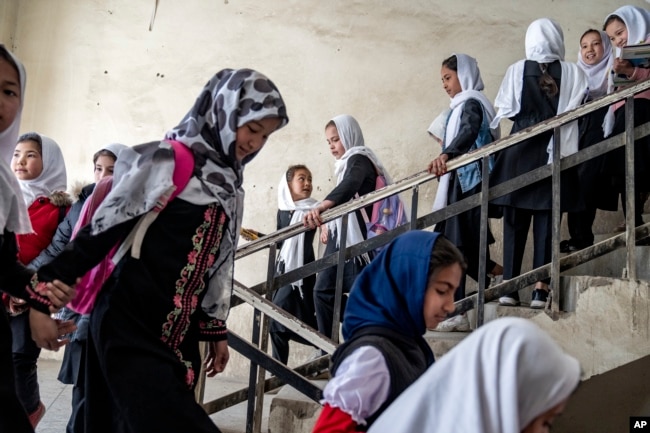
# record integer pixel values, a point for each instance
(13, 417)
(516, 223)
(325, 291)
(580, 227)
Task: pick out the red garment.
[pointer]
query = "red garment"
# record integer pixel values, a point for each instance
(45, 217)
(334, 420)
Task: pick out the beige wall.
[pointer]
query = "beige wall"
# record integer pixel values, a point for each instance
(97, 74)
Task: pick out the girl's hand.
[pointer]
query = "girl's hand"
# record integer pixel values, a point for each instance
(439, 165)
(217, 357)
(59, 294)
(312, 219)
(47, 332)
(623, 67)
(323, 234)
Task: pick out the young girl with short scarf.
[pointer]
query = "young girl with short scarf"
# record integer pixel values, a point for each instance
(533, 90)
(595, 58)
(630, 25)
(468, 129)
(297, 298)
(408, 288)
(356, 170)
(173, 289)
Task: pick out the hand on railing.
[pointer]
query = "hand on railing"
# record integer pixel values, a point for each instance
(439, 165)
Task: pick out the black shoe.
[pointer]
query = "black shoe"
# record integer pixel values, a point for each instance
(539, 298)
(565, 246)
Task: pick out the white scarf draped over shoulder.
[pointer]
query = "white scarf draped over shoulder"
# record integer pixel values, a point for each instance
(292, 253)
(545, 44)
(506, 373)
(352, 139)
(143, 173)
(13, 211)
(52, 178)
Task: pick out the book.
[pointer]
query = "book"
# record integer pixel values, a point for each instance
(636, 52)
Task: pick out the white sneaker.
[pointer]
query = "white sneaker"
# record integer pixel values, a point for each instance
(458, 323)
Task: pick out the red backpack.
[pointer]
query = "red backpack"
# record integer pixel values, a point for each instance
(93, 281)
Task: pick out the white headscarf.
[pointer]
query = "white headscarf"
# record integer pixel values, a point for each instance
(471, 86)
(544, 44)
(13, 212)
(9, 136)
(600, 78)
(292, 251)
(114, 148)
(637, 22)
(437, 127)
(52, 178)
(352, 139)
(506, 374)
(143, 173)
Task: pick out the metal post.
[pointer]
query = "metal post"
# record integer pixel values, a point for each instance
(630, 190)
(414, 206)
(483, 244)
(556, 220)
(336, 317)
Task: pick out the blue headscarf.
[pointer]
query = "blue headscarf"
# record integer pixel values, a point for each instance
(389, 292)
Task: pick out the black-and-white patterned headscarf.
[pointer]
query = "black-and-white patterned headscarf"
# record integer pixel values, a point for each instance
(143, 173)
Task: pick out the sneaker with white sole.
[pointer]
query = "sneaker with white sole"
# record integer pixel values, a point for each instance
(511, 300)
(459, 323)
(539, 299)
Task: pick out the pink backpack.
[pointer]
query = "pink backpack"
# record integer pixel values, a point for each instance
(93, 281)
(387, 213)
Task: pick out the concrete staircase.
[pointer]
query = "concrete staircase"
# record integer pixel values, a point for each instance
(605, 324)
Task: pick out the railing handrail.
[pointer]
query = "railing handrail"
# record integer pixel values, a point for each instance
(423, 177)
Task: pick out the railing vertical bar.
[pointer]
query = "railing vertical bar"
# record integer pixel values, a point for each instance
(340, 272)
(414, 206)
(252, 376)
(483, 244)
(264, 340)
(556, 221)
(630, 189)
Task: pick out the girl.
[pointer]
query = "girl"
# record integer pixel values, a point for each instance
(468, 129)
(595, 59)
(72, 370)
(14, 220)
(174, 288)
(408, 288)
(532, 91)
(297, 298)
(39, 166)
(12, 94)
(356, 171)
(630, 25)
(524, 396)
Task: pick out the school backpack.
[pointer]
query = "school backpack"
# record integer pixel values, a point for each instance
(93, 281)
(387, 213)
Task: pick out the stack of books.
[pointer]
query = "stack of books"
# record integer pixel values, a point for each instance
(639, 55)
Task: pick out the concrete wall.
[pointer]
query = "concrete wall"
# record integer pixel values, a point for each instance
(98, 72)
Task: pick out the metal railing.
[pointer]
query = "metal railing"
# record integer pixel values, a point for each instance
(257, 295)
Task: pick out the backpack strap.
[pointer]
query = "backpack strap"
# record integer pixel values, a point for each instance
(183, 169)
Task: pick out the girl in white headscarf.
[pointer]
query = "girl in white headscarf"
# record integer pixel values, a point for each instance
(173, 289)
(630, 25)
(531, 386)
(533, 90)
(297, 298)
(595, 58)
(356, 170)
(12, 82)
(39, 166)
(468, 129)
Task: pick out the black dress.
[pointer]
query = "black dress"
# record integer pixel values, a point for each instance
(294, 300)
(464, 230)
(143, 357)
(360, 177)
